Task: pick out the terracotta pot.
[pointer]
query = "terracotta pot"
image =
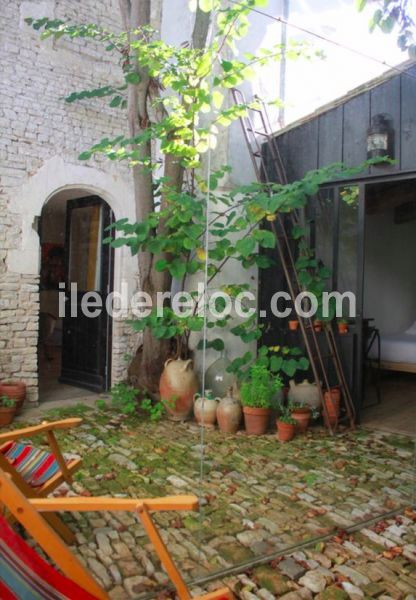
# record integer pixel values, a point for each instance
(15, 390)
(318, 325)
(342, 328)
(205, 409)
(229, 413)
(7, 414)
(178, 385)
(302, 416)
(256, 420)
(304, 393)
(332, 401)
(293, 325)
(285, 431)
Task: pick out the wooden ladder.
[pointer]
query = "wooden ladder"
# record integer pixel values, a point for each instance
(258, 137)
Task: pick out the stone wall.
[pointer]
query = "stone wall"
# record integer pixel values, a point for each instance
(42, 137)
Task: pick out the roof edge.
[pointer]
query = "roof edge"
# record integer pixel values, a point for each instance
(364, 87)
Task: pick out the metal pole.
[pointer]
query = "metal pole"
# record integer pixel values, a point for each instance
(282, 78)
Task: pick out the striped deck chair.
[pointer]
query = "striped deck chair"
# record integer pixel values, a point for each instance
(37, 472)
(24, 575)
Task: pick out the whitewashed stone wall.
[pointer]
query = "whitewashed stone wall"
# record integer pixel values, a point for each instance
(42, 137)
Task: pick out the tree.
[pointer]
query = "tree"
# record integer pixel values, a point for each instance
(194, 79)
(391, 14)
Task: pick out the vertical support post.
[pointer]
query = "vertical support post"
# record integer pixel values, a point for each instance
(360, 297)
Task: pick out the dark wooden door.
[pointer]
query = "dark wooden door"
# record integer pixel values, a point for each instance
(86, 343)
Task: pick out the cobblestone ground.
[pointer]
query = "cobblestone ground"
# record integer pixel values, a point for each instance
(378, 562)
(259, 497)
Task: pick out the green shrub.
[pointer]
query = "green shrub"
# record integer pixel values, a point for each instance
(258, 390)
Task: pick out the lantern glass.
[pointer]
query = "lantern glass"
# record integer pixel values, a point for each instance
(377, 141)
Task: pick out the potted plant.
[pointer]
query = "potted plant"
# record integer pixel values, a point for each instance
(342, 326)
(302, 414)
(16, 390)
(317, 325)
(332, 401)
(256, 396)
(286, 426)
(293, 324)
(7, 410)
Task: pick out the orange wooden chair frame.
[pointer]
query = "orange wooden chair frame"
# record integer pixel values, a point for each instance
(27, 511)
(65, 473)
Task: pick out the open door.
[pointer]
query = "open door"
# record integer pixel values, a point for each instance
(86, 344)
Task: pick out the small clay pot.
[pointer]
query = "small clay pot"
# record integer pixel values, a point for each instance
(16, 390)
(256, 420)
(303, 417)
(205, 409)
(7, 414)
(317, 325)
(293, 325)
(285, 431)
(229, 413)
(342, 328)
(332, 401)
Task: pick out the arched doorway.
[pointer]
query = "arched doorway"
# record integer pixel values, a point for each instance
(76, 278)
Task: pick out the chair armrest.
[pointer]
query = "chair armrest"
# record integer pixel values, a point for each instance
(44, 427)
(84, 504)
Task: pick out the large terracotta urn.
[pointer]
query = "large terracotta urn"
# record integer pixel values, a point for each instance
(304, 393)
(229, 413)
(177, 387)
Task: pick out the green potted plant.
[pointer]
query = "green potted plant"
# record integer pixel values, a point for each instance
(7, 410)
(16, 390)
(256, 393)
(293, 324)
(302, 413)
(342, 326)
(286, 426)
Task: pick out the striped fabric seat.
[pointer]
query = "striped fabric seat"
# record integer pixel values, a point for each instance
(24, 575)
(34, 465)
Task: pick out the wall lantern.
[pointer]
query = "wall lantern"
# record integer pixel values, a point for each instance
(380, 137)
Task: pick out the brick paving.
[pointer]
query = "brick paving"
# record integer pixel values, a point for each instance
(259, 498)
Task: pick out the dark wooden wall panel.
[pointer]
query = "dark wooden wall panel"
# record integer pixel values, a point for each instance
(330, 137)
(340, 134)
(385, 98)
(356, 122)
(408, 125)
(302, 149)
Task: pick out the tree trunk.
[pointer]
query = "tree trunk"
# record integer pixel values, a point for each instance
(146, 367)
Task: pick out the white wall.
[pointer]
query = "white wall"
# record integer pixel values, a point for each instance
(390, 273)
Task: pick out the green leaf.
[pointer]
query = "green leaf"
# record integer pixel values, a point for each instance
(298, 232)
(387, 24)
(116, 101)
(217, 98)
(133, 77)
(265, 238)
(246, 246)
(360, 5)
(177, 268)
(276, 363)
(161, 265)
(85, 155)
(226, 65)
